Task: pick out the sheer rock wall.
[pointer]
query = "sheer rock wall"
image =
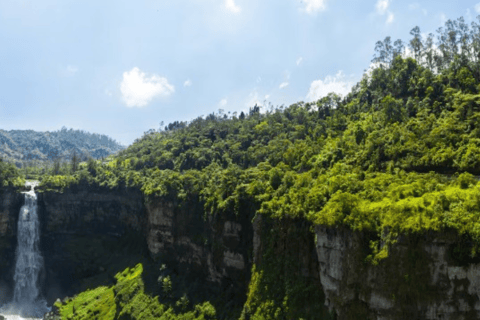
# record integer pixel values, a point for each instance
(85, 233)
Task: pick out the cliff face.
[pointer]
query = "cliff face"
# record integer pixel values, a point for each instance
(10, 204)
(286, 263)
(424, 277)
(87, 235)
(215, 253)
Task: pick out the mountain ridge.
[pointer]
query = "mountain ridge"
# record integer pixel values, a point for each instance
(20, 146)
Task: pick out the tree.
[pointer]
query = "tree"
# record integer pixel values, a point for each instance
(92, 166)
(429, 53)
(56, 166)
(475, 40)
(380, 55)
(392, 110)
(385, 51)
(398, 48)
(75, 161)
(416, 44)
(464, 40)
(254, 110)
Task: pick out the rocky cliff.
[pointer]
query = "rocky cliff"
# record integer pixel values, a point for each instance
(10, 204)
(213, 254)
(428, 276)
(87, 235)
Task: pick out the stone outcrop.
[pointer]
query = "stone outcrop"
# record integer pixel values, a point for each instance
(87, 235)
(214, 251)
(10, 203)
(426, 276)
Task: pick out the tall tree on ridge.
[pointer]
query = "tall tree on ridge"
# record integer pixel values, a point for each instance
(416, 44)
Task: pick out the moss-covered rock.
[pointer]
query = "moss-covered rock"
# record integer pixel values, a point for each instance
(126, 300)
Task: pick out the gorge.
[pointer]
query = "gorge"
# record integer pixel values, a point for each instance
(89, 235)
(357, 207)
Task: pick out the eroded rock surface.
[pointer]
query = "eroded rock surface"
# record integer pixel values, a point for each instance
(10, 203)
(420, 279)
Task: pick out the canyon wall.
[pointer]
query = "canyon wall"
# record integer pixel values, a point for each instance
(425, 276)
(214, 253)
(87, 235)
(10, 203)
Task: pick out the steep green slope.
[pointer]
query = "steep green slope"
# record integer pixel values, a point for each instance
(373, 150)
(398, 155)
(126, 300)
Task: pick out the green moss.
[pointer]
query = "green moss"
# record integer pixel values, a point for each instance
(278, 288)
(127, 300)
(92, 304)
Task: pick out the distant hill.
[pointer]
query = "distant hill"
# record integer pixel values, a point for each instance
(20, 146)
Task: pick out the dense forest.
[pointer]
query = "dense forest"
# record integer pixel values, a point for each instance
(399, 154)
(28, 148)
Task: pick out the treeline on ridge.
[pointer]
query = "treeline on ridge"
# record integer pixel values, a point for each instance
(398, 154)
(403, 125)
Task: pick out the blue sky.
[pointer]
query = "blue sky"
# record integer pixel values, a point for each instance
(121, 67)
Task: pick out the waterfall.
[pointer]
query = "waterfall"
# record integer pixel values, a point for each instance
(29, 262)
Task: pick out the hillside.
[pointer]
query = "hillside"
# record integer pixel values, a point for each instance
(21, 146)
(393, 163)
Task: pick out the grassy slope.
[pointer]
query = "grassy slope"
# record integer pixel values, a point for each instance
(127, 300)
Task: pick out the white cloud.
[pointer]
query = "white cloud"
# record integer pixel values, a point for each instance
(267, 96)
(413, 6)
(108, 92)
(71, 70)
(443, 17)
(468, 15)
(138, 89)
(232, 7)
(223, 102)
(283, 85)
(338, 84)
(390, 18)
(382, 6)
(299, 60)
(187, 83)
(477, 7)
(314, 6)
(252, 100)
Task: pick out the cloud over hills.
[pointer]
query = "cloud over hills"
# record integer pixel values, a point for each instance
(338, 83)
(138, 89)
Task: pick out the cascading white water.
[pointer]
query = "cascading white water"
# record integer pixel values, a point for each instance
(29, 262)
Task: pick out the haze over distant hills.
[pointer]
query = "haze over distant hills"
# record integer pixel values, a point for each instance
(24, 145)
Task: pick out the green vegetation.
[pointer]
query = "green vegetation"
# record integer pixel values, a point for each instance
(127, 300)
(37, 152)
(386, 158)
(278, 288)
(9, 175)
(397, 155)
